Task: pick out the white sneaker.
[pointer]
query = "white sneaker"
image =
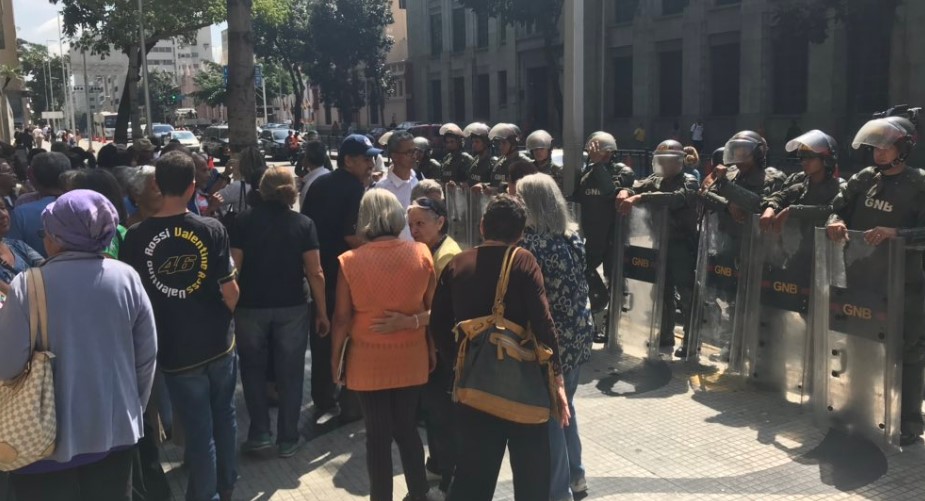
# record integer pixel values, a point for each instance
(579, 486)
(328, 416)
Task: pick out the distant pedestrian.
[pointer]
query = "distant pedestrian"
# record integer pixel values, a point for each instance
(639, 135)
(697, 135)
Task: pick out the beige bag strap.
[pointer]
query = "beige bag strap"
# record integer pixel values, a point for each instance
(38, 309)
(503, 281)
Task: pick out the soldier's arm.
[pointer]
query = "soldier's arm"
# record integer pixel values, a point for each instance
(625, 177)
(843, 205)
(747, 200)
(713, 201)
(640, 186)
(783, 198)
(816, 211)
(676, 199)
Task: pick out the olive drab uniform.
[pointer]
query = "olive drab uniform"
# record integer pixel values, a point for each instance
(679, 194)
(553, 170)
(429, 169)
(808, 202)
(480, 170)
(872, 199)
(596, 192)
(455, 167)
(500, 171)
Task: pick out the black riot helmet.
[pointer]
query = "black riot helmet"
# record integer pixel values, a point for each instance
(717, 157)
(744, 145)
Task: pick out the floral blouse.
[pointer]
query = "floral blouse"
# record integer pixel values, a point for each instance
(562, 260)
(26, 257)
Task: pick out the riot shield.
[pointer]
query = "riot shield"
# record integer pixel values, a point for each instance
(574, 208)
(478, 202)
(457, 205)
(724, 284)
(778, 348)
(857, 331)
(638, 284)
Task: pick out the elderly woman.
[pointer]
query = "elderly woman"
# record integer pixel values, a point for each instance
(275, 248)
(104, 355)
(427, 188)
(104, 183)
(466, 291)
(387, 371)
(552, 236)
(144, 197)
(15, 255)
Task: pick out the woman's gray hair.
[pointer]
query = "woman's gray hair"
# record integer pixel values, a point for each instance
(547, 211)
(140, 180)
(381, 214)
(426, 188)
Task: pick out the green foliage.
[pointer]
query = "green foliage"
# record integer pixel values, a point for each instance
(345, 36)
(211, 84)
(281, 45)
(165, 95)
(811, 18)
(33, 60)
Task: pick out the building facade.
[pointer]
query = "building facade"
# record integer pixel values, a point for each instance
(667, 63)
(14, 106)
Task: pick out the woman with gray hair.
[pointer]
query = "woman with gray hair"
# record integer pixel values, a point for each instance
(104, 341)
(552, 236)
(387, 371)
(143, 194)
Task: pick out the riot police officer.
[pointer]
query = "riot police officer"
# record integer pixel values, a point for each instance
(539, 144)
(456, 163)
(809, 194)
(505, 138)
(887, 200)
(427, 167)
(739, 190)
(596, 192)
(480, 169)
(671, 187)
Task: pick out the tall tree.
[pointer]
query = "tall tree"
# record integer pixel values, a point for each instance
(347, 44)
(242, 113)
(35, 60)
(283, 42)
(544, 16)
(165, 96)
(210, 85)
(102, 26)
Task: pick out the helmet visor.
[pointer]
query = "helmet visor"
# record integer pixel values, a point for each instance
(739, 151)
(667, 165)
(814, 141)
(878, 133)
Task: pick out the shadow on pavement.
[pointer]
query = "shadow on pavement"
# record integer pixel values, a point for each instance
(846, 462)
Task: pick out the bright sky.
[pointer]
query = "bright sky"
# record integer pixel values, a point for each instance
(36, 22)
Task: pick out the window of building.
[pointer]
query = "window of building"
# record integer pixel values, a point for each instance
(401, 89)
(482, 98)
(502, 33)
(625, 10)
(869, 67)
(790, 77)
(623, 85)
(671, 7)
(459, 99)
(724, 78)
(728, 2)
(481, 30)
(436, 34)
(327, 115)
(402, 4)
(436, 101)
(459, 29)
(502, 89)
(670, 82)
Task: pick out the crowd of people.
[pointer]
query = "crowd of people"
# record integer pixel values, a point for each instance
(188, 276)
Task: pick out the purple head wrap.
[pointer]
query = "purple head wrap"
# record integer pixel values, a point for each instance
(81, 220)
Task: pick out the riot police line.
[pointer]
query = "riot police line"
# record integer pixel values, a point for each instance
(807, 285)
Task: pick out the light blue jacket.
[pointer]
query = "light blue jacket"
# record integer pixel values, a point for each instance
(101, 331)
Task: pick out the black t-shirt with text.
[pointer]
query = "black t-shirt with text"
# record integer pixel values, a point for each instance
(183, 261)
(273, 239)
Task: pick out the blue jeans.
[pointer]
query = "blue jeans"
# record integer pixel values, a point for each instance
(565, 446)
(286, 329)
(203, 399)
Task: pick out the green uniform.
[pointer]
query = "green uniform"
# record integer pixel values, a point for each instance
(480, 170)
(455, 167)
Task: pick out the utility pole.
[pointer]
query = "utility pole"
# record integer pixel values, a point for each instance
(69, 110)
(144, 65)
(574, 119)
(87, 97)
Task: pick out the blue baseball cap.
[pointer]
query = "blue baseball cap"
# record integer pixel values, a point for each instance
(357, 144)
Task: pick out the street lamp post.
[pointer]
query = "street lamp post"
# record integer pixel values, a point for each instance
(144, 64)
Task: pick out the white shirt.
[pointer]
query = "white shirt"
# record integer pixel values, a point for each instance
(307, 181)
(401, 188)
(696, 132)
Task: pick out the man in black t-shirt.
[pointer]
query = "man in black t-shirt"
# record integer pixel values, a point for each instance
(185, 264)
(333, 203)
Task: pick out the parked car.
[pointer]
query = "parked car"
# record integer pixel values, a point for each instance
(215, 143)
(186, 138)
(274, 143)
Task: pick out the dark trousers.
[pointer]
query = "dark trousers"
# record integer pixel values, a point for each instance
(679, 288)
(392, 414)
(322, 379)
(285, 330)
(148, 478)
(483, 440)
(106, 480)
(442, 440)
(600, 241)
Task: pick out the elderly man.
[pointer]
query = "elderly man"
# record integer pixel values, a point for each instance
(401, 178)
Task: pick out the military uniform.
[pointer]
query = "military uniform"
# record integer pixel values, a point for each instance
(480, 170)
(872, 199)
(429, 169)
(596, 193)
(500, 171)
(455, 167)
(678, 194)
(553, 170)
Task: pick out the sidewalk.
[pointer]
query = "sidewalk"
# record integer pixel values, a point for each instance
(646, 435)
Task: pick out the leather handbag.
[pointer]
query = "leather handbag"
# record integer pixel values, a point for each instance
(501, 369)
(28, 424)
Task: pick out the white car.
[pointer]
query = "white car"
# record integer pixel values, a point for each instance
(186, 138)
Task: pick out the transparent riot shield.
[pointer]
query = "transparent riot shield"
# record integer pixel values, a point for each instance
(457, 205)
(778, 348)
(723, 286)
(857, 330)
(478, 202)
(574, 209)
(638, 284)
